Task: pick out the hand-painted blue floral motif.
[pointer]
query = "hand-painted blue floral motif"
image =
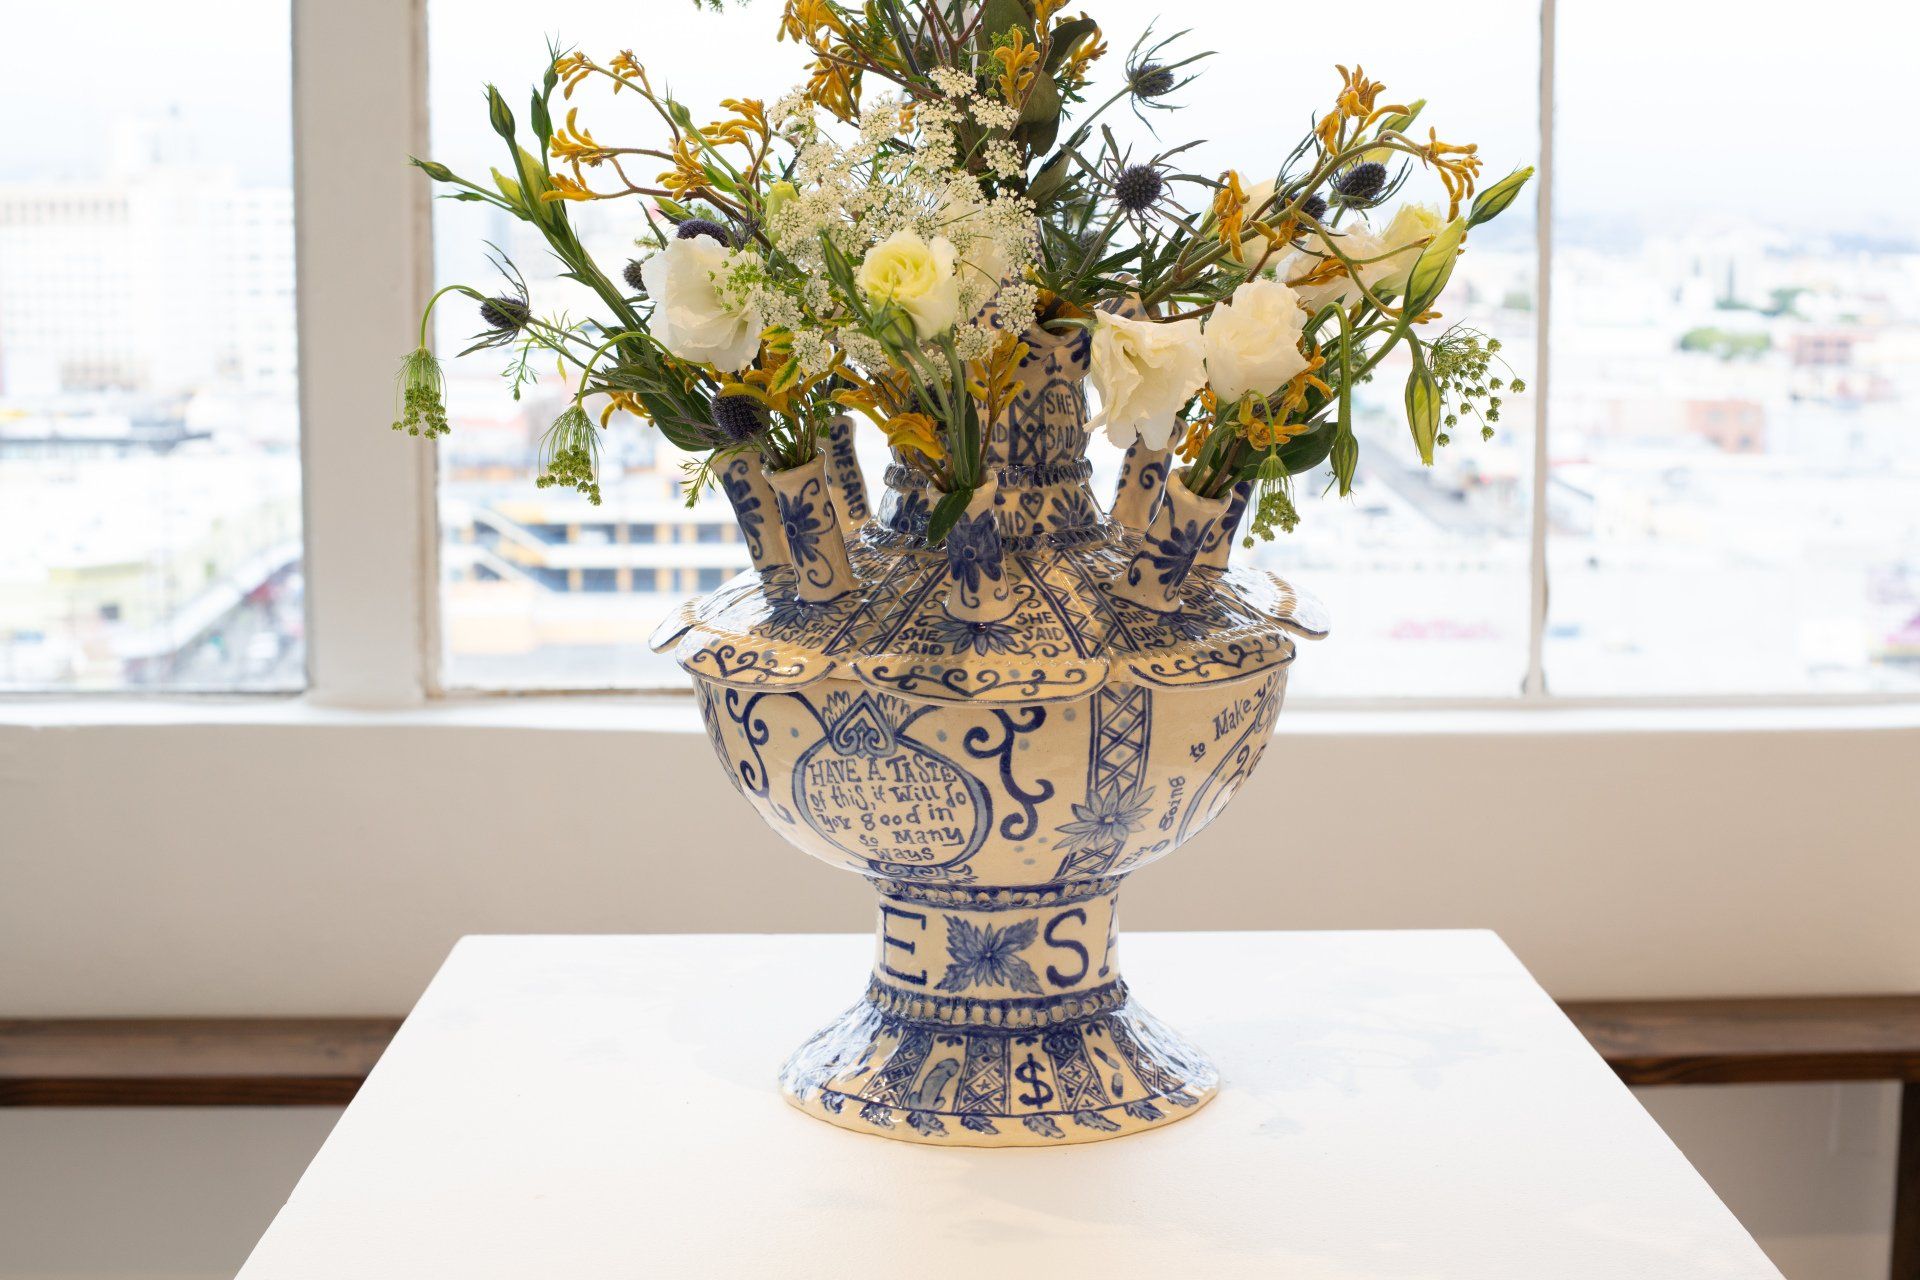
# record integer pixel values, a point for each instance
(982, 638)
(1172, 556)
(983, 955)
(1073, 509)
(973, 552)
(1106, 820)
(913, 510)
(800, 517)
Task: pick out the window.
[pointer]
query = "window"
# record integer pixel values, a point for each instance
(1734, 500)
(150, 528)
(1427, 572)
(1730, 506)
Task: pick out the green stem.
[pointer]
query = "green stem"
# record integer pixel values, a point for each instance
(427, 315)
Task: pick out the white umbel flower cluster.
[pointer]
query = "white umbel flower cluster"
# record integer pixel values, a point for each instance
(860, 188)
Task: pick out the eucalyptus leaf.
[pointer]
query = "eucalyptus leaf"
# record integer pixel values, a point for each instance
(1064, 36)
(1040, 116)
(997, 17)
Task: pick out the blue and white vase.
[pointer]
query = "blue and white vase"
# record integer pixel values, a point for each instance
(810, 527)
(1183, 525)
(743, 479)
(995, 755)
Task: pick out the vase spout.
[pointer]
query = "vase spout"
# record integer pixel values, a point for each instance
(816, 540)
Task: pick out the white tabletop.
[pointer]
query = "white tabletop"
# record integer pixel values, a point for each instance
(1394, 1106)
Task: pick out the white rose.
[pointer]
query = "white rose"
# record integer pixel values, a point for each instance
(690, 317)
(1411, 224)
(915, 276)
(1252, 341)
(1144, 373)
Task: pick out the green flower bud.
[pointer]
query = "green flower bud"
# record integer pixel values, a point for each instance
(1493, 202)
(779, 195)
(498, 115)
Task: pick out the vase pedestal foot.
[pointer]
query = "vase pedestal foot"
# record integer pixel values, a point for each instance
(1055, 1052)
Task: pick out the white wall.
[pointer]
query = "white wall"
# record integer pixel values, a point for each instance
(268, 858)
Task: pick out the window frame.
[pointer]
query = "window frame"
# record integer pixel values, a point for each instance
(370, 509)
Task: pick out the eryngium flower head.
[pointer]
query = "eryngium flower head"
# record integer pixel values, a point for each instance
(632, 276)
(738, 418)
(1151, 80)
(1314, 207)
(702, 227)
(507, 313)
(1137, 186)
(1361, 183)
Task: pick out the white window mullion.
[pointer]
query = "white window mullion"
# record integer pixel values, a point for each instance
(364, 255)
(1536, 679)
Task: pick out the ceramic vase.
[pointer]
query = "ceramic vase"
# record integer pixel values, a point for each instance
(994, 733)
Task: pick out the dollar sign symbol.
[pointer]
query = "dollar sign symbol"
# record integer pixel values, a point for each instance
(1028, 1073)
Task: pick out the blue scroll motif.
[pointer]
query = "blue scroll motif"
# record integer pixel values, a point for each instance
(979, 745)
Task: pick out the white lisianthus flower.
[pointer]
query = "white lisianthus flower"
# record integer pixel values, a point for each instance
(1252, 341)
(1254, 245)
(1357, 242)
(1144, 373)
(916, 276)
(691, 318)
(1411, 224)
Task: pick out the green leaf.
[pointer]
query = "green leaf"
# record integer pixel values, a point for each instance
(1048, 181)
(1423, 404)
(946, 513)
(1403, 121)
(999, 17)
(1493, 202)
(1064, 36)
(1433, 268)
(672, 208)
(787, 376)
(1040, 116)
(682, 436)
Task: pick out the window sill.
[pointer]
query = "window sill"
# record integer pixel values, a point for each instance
(667, 713)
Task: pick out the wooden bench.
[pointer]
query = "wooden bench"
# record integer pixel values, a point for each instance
(92, 1062)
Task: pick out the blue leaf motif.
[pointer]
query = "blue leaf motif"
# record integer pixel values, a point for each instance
(746, 507)
(1173, 555)
(985, 956)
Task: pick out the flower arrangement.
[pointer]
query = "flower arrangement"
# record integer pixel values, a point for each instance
(880, 239)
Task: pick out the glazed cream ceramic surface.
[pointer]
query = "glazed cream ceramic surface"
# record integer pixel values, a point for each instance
(994, 732)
